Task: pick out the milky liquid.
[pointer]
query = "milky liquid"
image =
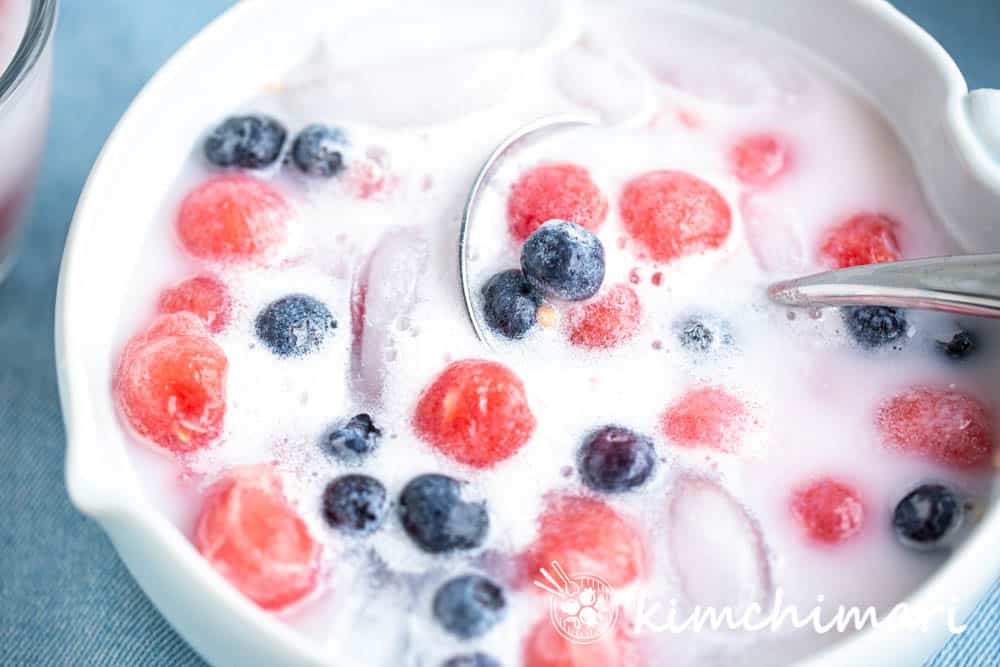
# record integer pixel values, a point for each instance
(687, 88)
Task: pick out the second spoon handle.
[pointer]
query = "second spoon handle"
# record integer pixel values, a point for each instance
(962, 284)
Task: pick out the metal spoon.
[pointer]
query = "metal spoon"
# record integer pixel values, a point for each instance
(961, 284)
(533, 130)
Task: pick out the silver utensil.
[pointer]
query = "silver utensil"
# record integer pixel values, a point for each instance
(533, 130)
(961, 284)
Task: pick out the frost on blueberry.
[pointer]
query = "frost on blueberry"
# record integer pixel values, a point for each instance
(251, 142)
(469, 606)
(319, 150)
(354, 439)
(927, 516)
(436, 515)
(873, 327)
(354, 504)
(510, 304)
(563, 260)
(295, 325)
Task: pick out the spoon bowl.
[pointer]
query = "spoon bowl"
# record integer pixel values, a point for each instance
(532, 131)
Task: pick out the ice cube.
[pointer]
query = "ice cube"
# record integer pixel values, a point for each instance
(716, 548)
(369, 79)
(772, 236)
(737, 73)
(593, 77)
(384, 294)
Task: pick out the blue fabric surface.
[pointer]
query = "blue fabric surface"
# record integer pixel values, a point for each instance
(65, 598)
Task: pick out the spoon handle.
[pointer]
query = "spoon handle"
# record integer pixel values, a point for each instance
(962, 284)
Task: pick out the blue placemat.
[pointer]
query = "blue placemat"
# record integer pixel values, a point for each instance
(65, 598)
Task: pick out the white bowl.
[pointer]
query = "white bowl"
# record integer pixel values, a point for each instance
(952, 135)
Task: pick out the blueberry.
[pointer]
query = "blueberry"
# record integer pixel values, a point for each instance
(875, 326)
(250, 142)
(614, 459)
(510, 304)
(469, 606)
(563, 260)
(438, 519)
(926, 516)
(695, 336)
(471, 660)
(355, 439)
(354, 504)
(318, 150)
(295, 325)
(959, 346)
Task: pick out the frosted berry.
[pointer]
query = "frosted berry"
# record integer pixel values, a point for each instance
(233, 218)
(944, 425)
(204, 296)
(586, 536)
(707, 417)
(758, 159)
(828, 510)
(554, 192)
(475, 412)
(251, 142)
(608, 320)
(865, 238)
(671, 214)
(252, 536)
(170, 384)
(544, 647)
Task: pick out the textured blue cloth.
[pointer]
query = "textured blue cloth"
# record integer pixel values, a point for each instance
(65, 599)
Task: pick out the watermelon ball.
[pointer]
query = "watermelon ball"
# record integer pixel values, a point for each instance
(233, 218)
(253, 537)
(586, 536)
(709, 417)
(828, 510)
(758, 159)
(170, 384)
(944, 425)
(545, 647)
(865, 238)
(204, 296)
(556, 191)
(475, 412)
(672, 214)
(606, 321)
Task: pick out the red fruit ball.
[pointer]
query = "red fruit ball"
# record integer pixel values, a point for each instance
(865, 238)
(544, 647)
(251, 535)
(476, 412)
(707, 417)
(947, 426)
(671, 214)
(606, 321)
(828, 510)
(204, 296)
(170, 384)
(232, 218)
(586, 537)
(554, 192)
(758, 159)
